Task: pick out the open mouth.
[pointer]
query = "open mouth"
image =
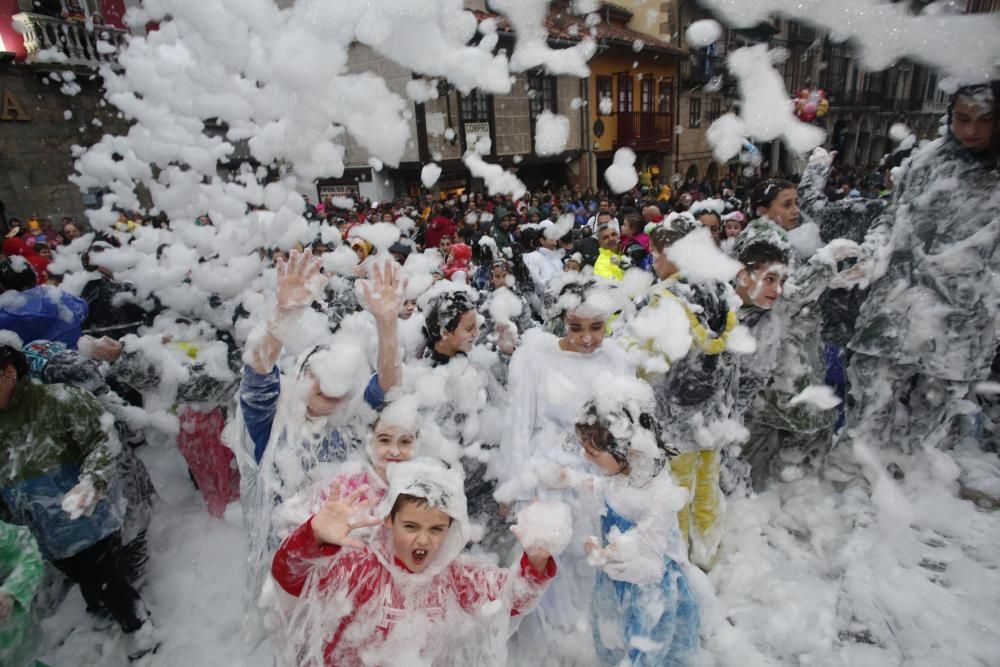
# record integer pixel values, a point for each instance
(419, 556)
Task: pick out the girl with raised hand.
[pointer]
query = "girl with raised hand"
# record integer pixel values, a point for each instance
(293, 425)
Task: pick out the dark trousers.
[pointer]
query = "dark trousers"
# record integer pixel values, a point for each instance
(102, 574)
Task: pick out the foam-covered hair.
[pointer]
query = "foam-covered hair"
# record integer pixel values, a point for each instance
(620, 421)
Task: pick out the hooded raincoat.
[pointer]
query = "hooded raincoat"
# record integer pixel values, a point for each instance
(21, 571)
(364, 607)
(52, 437)
(928, 327)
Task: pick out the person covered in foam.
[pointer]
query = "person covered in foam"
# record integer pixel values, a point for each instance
(394, 437)
(643, 610)
(406, 596)
(295, 427)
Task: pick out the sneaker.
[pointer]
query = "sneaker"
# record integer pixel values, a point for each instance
(142, 642)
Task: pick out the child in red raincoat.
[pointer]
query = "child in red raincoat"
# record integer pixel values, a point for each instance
(407, 596)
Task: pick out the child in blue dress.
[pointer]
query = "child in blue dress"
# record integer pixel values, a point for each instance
(643, 609)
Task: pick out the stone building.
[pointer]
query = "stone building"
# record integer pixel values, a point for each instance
(48, 107)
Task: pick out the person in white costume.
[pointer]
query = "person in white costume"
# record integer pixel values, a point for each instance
(551, 380)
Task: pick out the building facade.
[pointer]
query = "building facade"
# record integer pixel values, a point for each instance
(49, 107)
(632, 94)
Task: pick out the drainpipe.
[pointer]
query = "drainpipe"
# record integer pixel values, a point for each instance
(585, 138)
(677, 96)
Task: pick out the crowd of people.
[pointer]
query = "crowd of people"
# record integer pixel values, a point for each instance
(494, 426)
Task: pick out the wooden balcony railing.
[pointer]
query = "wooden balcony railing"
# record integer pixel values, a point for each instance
(54, 41)
(645, 129)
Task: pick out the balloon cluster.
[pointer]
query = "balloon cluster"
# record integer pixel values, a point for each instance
(811, 104)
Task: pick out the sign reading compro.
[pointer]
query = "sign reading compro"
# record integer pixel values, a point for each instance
(12, 109)
(474, 132)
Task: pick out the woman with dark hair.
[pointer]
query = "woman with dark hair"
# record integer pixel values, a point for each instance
(928, 328)
(777, 200)
(502, 281)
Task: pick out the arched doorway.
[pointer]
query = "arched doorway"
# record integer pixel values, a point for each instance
(860, 157)
(712, 174)
(840, 140)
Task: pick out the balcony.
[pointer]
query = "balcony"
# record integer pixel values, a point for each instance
(700, 67)
(645, 130)
(53, 41)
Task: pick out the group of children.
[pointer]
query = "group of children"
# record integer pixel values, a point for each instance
(551, 488)
(620, 411)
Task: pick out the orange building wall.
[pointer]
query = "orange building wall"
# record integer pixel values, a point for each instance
(609, 64)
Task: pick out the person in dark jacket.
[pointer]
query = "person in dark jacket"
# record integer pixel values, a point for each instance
(696, 394)
(115, 308)
(928, 328)
(58, 472)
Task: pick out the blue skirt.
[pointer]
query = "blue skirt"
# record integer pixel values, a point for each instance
(653, 624)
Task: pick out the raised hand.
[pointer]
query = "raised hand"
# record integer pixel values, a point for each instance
(384, 292)
(821, 157)
(858, 275)
(841, 249)
(295, 279)
(594, 550)
(339, 516)
(538, 556)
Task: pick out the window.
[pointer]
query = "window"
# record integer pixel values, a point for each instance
(790, 70)
(694, 110)
(646, 93)
(714, 108)
(541, 94)
(624, 92)
(605, 92)
(476, 107)
(665, 100)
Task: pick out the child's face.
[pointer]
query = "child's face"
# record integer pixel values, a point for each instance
(319, 404)
(409, 307)
(499, 277)
(972, 124)
(583, 334)
(711, 221)
(463, 338)
(391, 444)
(764, 285)
(784, 210)
(663, 267)
(733, 229)
(418, 531)
(601, 459)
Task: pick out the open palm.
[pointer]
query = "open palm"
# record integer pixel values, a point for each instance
(339, 516)
(295, 277)
(384, 292)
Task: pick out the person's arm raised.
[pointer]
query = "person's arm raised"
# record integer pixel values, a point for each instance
(294, 293)
(384, 294)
